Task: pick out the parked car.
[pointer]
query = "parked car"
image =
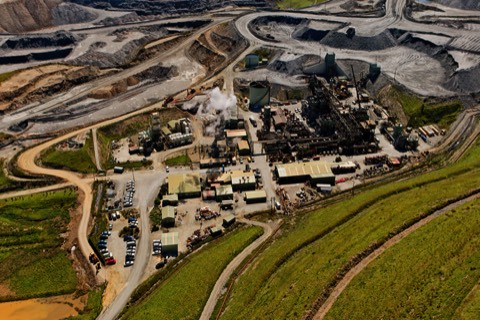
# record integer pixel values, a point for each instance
(110, 261)
(128, 238)
(160, 265)
(107, 255)
(102, 246)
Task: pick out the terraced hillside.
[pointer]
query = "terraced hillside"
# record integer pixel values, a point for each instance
(433, 285)
(297, 272)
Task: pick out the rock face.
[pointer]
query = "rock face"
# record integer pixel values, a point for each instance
(26, 15)
(17, 16)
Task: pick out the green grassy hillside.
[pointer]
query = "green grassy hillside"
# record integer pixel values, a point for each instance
(303, 263)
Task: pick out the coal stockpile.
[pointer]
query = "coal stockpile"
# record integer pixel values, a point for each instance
(340, 40)
(308, 34)
(36, 56)
(57, 39)
(465, 81)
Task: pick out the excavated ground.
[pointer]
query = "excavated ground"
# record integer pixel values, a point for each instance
(36, 84)
(218, 46)
(456, 72)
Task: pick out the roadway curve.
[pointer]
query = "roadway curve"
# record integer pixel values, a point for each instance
(26, 162)
(340, 287)
(234, 264)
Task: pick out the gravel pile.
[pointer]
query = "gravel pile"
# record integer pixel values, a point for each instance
(293, 66)
(465, 81)
(382, 41)
(111, 60)
(70, 13)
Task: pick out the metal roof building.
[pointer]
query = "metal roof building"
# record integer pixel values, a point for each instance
(170, 200)
(236, 133)
(168, 217)
(185, 185)
(255, 196)
(224, 192)
(170, 244)
(228, 220)
(314, 171)
(243, 148)
(240, 180)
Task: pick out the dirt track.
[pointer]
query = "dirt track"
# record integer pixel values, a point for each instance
(337, 291)
(233, 265)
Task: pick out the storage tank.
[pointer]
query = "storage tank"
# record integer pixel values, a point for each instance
(251, 61)
(259, 94)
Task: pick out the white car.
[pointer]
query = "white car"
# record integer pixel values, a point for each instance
(167, 169)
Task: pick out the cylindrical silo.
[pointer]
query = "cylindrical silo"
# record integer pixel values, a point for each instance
(259, 93)
(251, 61)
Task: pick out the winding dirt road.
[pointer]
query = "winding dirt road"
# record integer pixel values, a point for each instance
(337, 291)
(234, 264)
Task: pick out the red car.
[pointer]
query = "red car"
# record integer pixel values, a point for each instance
(110, 261)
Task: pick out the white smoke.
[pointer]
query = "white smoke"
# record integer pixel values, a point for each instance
(217, 108)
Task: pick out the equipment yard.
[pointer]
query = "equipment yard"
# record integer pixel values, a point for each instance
(239, 159)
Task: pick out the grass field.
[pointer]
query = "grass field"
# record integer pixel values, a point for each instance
(424, 112)
(81, 160)
(297, 4)
(183, 294)
(32, 264)
(432, 285)
(297, 267)
(182, 160)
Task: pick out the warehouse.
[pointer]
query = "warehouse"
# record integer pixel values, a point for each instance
(168, 217)
(243, 148)
(255, 196)
(315, 172)
(240, 180)
(170, 244)
(185, 185)
(236, 133)
(223, 193)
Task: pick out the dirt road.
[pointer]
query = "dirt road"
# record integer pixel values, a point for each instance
(233, 265)
(337, 291)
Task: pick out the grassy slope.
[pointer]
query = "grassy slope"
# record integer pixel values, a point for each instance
(445, 267)
(297, 4)
(82, 160)
(293, 271)
(5, 183)
(32, 263)
(421, 113)
(94, 305)
(183, 295)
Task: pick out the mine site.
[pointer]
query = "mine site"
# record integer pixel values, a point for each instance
(239, 159)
